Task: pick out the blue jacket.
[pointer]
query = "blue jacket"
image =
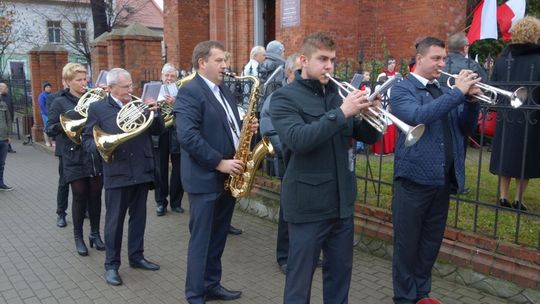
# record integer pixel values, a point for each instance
(424, 161)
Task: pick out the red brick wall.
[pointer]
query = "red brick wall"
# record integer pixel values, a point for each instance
(45, 65)
(375, 26)
(186, 24)
(99, 58)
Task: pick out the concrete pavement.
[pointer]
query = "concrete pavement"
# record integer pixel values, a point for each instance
(39, 264)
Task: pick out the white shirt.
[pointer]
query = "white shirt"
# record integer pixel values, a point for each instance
(117, 101)
(253, 66)
(233, 124)
(424, 81)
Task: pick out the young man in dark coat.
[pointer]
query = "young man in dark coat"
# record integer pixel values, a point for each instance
(317, 127)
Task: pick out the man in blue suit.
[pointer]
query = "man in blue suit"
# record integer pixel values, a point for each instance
(208, 128)
(426, 173)
(127, 177)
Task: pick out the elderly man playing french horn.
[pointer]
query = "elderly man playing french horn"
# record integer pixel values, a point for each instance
(128, 175)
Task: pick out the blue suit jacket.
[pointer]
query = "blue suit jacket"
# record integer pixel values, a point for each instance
(132, 162)
(204, 136)
(424, 161)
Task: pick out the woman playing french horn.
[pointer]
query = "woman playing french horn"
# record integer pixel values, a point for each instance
(82, 169)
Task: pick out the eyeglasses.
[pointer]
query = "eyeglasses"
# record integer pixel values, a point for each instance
(127, 86)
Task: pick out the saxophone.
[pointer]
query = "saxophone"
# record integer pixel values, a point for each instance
(240, 185)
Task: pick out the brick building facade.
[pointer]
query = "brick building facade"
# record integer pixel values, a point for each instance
(376, 27)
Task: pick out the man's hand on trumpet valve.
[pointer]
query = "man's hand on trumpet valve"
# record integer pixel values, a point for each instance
(355, 102)
(375, 104)
(465, 82)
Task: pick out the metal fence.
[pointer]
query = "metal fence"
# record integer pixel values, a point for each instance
(478, 210)
(20, 91)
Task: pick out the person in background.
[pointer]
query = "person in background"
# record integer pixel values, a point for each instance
(516, 145)
(256, 57)
(6, 97)
(43, 106)
(388, 71)
(316, 128)
(165, 145)
(387, 143)
(457, 60)
(277, 164)
(274, 59)
(62, 192)
(5, 133)
(426, 173)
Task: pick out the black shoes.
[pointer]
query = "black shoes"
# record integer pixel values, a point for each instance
(161, 210)
(283, 268)
(95, 239)
(221, 293)
(81, 246)
(178, 209)
(61, 221)
(234, 231)
(505, 203)
(112, 277)
(144, 264)
(516, 204)
(5, 187)
(519, 205)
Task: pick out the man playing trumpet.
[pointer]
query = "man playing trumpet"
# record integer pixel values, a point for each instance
(426, 173)
(316, 127)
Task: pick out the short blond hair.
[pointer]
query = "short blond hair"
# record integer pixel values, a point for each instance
(70, 70)
(526, 30)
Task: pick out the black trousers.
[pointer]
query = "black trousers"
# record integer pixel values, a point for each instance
(419, 214)
(119, 201)
(282, 244)
(161, 161)
(210, 218)
(63, 190)
(335, 238)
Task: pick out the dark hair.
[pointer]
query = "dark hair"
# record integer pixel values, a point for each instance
(423, 45)
(46, 84)
(317, 41)
(202, 50)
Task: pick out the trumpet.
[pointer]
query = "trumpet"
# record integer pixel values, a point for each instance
(517, 98)
(378, 119)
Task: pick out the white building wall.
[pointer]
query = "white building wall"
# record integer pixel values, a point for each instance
(30, 26)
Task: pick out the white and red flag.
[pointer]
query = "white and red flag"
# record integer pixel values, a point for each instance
(484, 23)
(508, 14)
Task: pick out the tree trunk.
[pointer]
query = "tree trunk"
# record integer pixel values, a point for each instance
(99, 16)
